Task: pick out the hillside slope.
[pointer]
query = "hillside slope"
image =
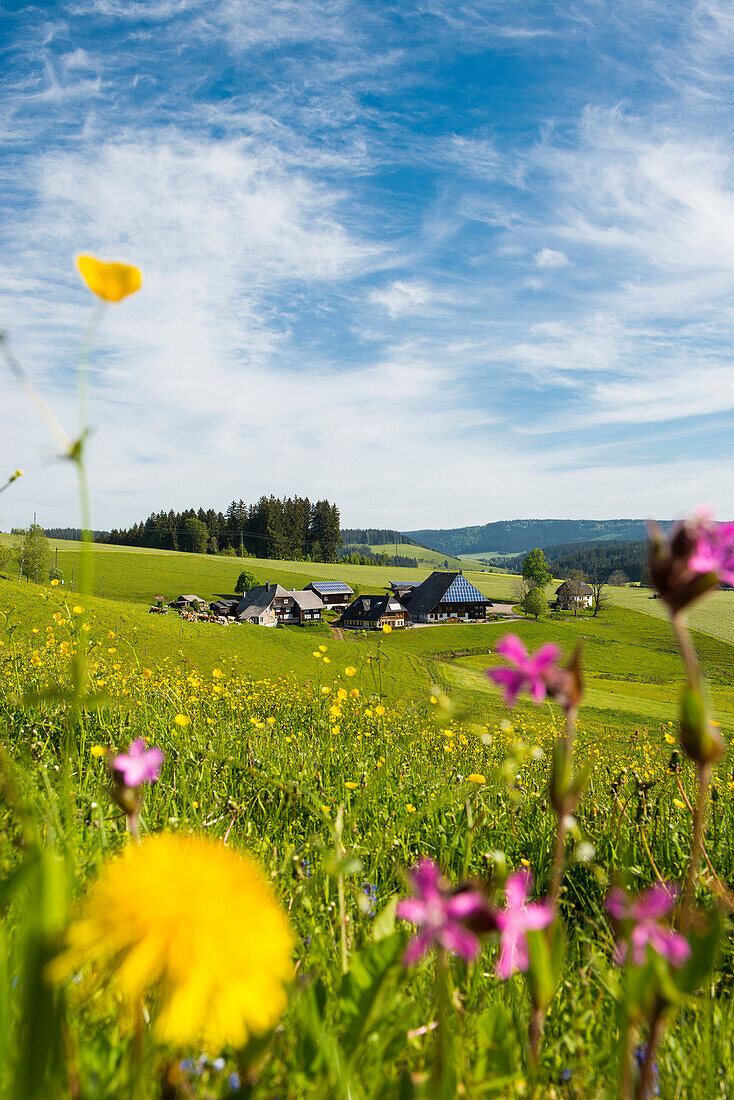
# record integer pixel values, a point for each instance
(517, 535)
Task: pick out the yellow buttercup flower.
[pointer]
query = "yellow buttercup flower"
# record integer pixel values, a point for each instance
(98, 750)
(351, 786)
(477, 777)
(350, 670)
(195, 922)
(113, 282)
(386, 629)
(182, 720)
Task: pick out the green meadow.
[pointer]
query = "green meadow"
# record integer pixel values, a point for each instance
(629, 659)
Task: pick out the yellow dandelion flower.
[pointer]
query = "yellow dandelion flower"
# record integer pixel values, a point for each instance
(160, 918)
(525, 862)
(350, 670)
(477, 777)
(379, 709)
(112, 282)
(336, 729)
(98, 750)
(182, 720)
(351, 786)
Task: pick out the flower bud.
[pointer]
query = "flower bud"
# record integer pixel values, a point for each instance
(700, 739)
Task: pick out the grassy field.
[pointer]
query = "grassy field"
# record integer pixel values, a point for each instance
(715, 615)
(334, 795)
(433, 558)
(135, 574)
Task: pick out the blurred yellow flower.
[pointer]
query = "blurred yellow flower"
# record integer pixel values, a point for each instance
(217, 673)
(182, 720)
(477, 777)
(113, 282)
(379, 709)
(196, 922)
(669, 739)
(323, 648)
(351, 786)
(55, 582)
(387, 629)
(679, 803)
(78, 609)
(350, 670)
(98, 750)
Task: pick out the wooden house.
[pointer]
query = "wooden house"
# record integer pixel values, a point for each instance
(445, 596)
(573, 596)
(331, 593)
(189, 602)
(269, 604)
(374, 612)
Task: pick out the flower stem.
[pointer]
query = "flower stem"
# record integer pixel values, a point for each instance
(699, 815)
(657, 1027)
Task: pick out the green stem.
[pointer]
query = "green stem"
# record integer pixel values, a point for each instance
(699, 816)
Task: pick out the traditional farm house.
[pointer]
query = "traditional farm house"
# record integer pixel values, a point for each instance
(190, 603)
(573, 595)
(446, 596)
(225, 608)
(374, 612)
(272, 604)
(331, 593)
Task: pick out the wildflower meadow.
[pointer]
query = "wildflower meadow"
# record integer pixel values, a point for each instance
(215, 885)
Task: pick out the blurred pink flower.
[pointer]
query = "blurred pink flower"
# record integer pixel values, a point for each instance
(525, 672)
(645, 912)
(517, 918)
(714, 548)
(445, 917)
(138, 765)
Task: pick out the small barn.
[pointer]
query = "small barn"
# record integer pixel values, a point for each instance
(446, 596)
(573, 595)
(225, 608)
(374, 612)
(331, 593)
(189, 602)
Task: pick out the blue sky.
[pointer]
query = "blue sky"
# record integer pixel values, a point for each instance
(440, 262)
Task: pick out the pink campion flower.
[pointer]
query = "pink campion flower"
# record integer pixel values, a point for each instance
(446, 918)
(714, 549)
(517, 918)
(138, 765)
(645, 913)
(525, 672)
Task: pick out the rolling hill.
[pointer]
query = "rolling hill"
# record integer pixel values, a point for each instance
(518, 535)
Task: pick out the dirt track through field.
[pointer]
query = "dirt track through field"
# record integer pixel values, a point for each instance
(337, 633)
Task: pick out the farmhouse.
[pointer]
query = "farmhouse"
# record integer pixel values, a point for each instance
(225, 608)
(374, 612)
(331, 593)
(269, 604)
(445, 596)
(191, 603)
(573, 595)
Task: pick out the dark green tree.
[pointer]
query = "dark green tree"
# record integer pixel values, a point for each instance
(194, 536)
(535, 568)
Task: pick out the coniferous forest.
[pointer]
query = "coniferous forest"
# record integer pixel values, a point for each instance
(289, 528)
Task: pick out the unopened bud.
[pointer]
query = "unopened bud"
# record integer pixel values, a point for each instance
(700, 739)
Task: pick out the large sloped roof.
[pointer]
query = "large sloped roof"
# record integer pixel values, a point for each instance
(257, 600)
(574, 588)
(443, 588)
(307, 601)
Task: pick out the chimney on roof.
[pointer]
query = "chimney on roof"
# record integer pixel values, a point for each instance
(267, 586)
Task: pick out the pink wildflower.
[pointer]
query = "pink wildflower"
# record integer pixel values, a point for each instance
(644, 913)
(524, 671)
(695, 557)
(714, 549)
(446, 918)
(517, 918)
(138, 765)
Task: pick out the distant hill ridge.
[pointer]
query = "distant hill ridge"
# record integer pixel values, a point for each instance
(518, 535)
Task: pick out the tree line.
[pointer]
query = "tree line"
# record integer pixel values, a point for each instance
(595, 559)
(290, 528)
(374, 536)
